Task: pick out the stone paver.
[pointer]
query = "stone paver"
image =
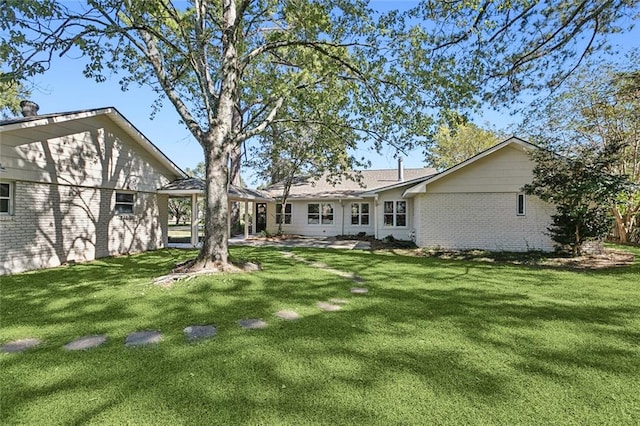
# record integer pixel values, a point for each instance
(143, 338)
(359, 290)
(329, 307)
(339, 301)
(85, 342)
(20, 345)
(195, 332)
(287, 315)
(252, 323)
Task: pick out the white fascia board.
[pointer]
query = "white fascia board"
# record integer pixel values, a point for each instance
(394, 186)
(54, 120)
(178, 192)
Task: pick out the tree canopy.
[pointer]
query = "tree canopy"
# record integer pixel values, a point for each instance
(600, 106)
(583, 186)
(457, 140)
(230, 68)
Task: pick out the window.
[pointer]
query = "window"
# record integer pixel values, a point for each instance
(287, 213)
(520, 205)
(395, 213)
(320, 214)
(360, 213)
(124, 203)
(6, 198)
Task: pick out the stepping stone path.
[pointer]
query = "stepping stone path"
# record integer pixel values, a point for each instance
(287, 315)
(85, 342)
(328, 306)
(140, 338)
(196, 332)
(252, 324)
(327, 268)
(20, 345)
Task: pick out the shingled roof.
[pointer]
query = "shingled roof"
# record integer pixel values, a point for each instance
(361, 182)
(196, 185)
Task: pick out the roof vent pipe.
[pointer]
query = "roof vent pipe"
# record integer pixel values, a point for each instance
(29, 108)
(400, 170)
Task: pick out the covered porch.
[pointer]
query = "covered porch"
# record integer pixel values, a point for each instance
(193, 189)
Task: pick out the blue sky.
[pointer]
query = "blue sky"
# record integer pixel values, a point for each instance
(64, 88)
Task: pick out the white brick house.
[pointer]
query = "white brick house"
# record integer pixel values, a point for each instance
(373, 206)
(81, 185)
(77, 186)
(477, 204)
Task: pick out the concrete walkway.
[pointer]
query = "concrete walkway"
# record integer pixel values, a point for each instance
(313, 242)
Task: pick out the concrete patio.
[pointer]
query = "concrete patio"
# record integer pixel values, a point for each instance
(314, 242)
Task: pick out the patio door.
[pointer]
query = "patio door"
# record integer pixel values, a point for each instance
(261, 217)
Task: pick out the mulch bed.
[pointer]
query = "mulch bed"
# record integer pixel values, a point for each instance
(609, 258)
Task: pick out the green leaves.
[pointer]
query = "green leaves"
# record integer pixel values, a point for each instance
(583, 187)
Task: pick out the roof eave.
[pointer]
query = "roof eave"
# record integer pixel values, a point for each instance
(116, 117)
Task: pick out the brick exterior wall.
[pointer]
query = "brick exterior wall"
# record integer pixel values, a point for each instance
(55, 224)
(481, 221)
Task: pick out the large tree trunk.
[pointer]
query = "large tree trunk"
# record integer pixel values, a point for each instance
(217, 144)
(623, 236)
(214, 251)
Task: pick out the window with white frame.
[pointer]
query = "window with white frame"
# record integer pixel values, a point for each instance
(320, 213)
(6, 198)
(395, 213)
(124, 203)
(287, 213)
(520, 205)
(360, 214)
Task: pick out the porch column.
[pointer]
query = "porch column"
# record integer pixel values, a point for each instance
(194, 219)
(246, 219)
(229, 218)
(375, 216)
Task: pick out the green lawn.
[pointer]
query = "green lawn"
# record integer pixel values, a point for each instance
(433, 342)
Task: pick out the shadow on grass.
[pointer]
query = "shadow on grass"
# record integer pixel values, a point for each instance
(432, 341)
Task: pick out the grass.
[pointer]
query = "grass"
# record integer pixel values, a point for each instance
(433, 342)
(182, 233)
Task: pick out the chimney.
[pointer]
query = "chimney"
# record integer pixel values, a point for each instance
(29, 108)
(400, 170)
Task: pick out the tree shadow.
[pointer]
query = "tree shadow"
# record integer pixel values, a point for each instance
(431, 339)
(65, 212)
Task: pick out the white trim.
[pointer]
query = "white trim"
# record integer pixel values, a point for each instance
(375, 217)
(360, 214)
(395, 214)
(124, 203)
(397, 185)
(320, 205)
(290, 214)
(421, 187)
(115, 116)
(194, 230)
(11, 199)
